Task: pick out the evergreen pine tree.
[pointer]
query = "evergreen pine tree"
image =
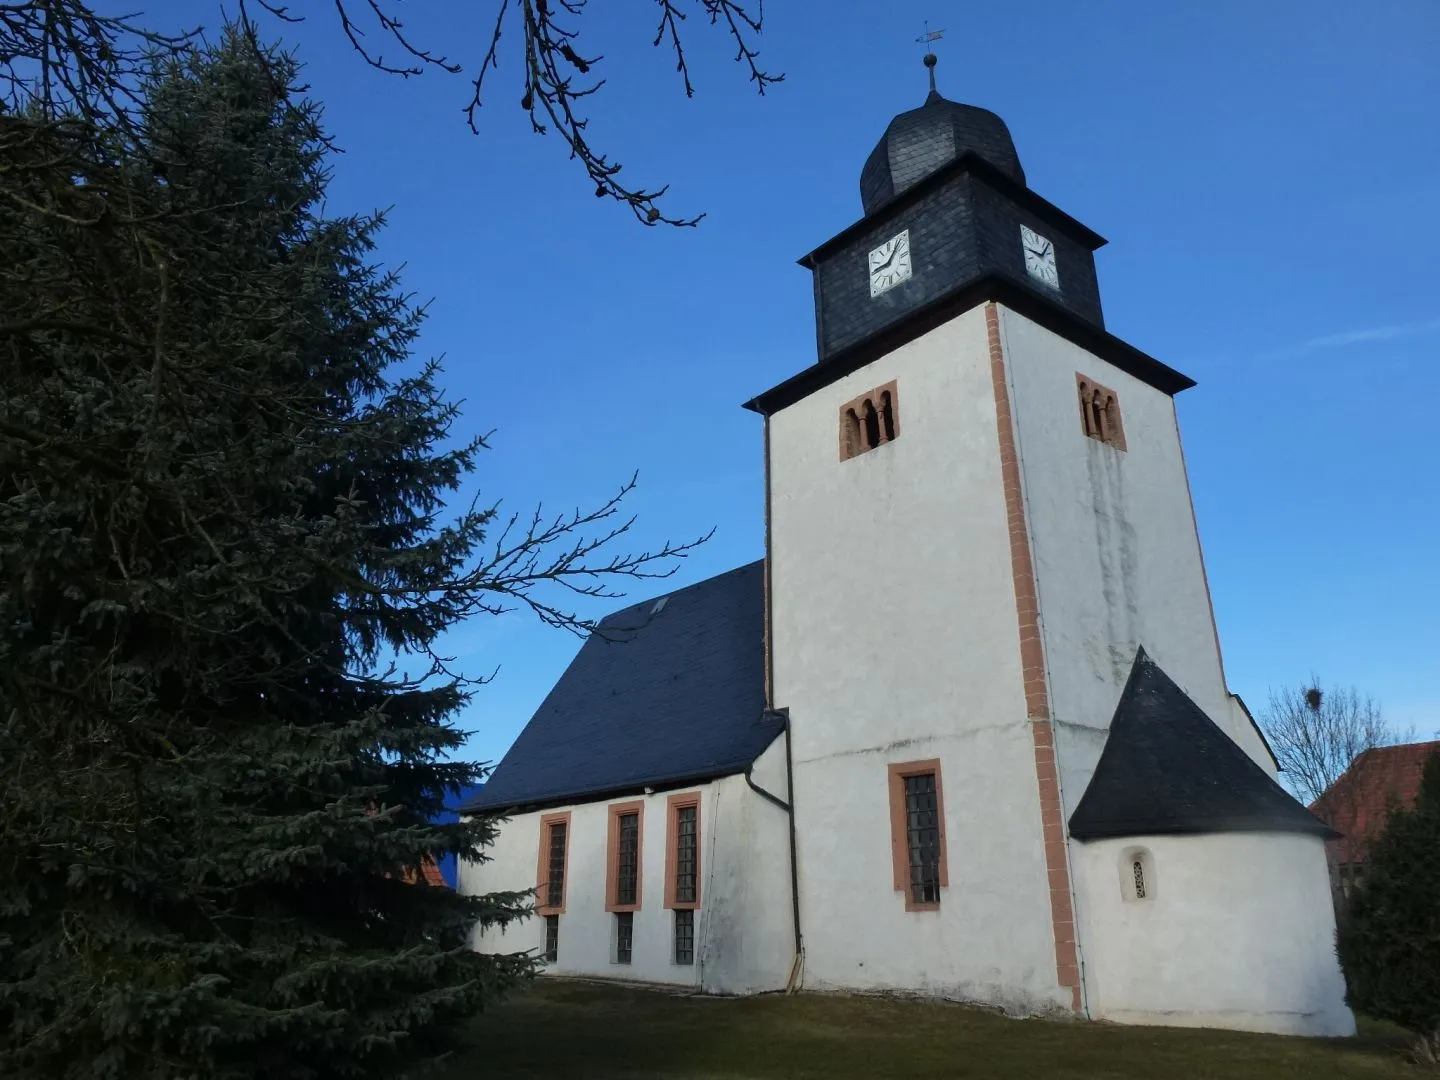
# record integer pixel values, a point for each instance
(222, 487)
(1389, 934)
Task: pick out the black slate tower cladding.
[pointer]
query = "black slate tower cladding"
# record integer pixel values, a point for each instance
(948, 176)
(924, 140)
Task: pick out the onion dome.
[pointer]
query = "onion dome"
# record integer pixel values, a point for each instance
(924, 140)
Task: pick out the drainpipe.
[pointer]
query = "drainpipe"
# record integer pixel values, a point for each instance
(789, 808)
(796, 964)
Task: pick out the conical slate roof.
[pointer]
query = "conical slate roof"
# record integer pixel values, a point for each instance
(1167, 768)
(921, 141)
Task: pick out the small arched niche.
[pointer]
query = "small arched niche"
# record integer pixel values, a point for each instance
(1138, 883)
(872, 424)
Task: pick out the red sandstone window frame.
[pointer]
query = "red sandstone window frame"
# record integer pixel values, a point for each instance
(884, 407)
(1103, 424)
(899, 838)
(673, 805)
(612, 856)
(542, 869)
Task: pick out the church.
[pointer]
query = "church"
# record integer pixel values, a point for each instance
(964, 731)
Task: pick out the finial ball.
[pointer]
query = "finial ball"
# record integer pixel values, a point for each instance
(931, 60)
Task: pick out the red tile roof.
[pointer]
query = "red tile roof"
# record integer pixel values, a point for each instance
(429, 874)
(1358, 804)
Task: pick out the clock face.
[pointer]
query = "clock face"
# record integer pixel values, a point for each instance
(1039, 257)
(890, 263)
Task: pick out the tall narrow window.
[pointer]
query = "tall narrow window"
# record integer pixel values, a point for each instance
(627, 873)
(555, 887)
(624, 857)
(685, 850)
(1100, 413)
(922, 835)
(869, 421)
(624, 936)
(917, 833)
(682, 870)
(1137, 867)
(553, 860)
(685, 936)
(552, 938)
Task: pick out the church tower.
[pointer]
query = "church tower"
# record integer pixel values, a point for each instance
(977, 515)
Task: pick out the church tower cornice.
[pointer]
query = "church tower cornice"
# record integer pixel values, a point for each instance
(995, 287)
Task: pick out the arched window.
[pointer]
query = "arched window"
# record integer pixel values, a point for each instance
(872, 425)
(850, 434)
(887, 416)
(1137, 875)
(1100, 413)
(869, 421)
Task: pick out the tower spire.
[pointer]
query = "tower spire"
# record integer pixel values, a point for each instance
(927, 39)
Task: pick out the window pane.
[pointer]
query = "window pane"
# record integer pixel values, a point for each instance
(626, 879)
(552, 937)
(686, 850)
(685, 936)
(922, 832)
(555, 891)
(624, 935)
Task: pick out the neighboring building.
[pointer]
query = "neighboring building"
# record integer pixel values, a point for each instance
(919, 746)
(429, 875)
(453, 801)
(1358, 804)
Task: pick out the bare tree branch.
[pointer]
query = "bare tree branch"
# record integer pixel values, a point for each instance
(62, 56)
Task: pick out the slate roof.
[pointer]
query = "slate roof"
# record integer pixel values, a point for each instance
(1167, 768)
(923, 140)
(1358, 803)
(667, 691)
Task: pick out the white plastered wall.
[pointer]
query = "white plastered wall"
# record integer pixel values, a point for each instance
(1118, 565)
(896, 639)
(1114, 542)
(1236, 931)
(743, 936)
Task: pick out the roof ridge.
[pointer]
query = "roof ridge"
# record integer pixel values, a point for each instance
(683, 589)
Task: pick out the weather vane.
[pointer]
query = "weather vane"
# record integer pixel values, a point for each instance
(927, 39)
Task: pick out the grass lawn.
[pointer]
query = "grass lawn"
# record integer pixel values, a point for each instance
(561, 1028)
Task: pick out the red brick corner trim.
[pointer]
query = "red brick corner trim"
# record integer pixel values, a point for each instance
(612, 855)
(899, 834)
(1032, 667)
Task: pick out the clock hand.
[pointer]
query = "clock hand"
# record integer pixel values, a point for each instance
(886, 263)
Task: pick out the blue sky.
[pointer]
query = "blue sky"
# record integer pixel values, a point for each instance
(1266, 175)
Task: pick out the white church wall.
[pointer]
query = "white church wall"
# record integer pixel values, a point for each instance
(1113, 537)
(1236, 930)
(742, 929)
(745, 939)
(895, 639)
(1242, 726)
